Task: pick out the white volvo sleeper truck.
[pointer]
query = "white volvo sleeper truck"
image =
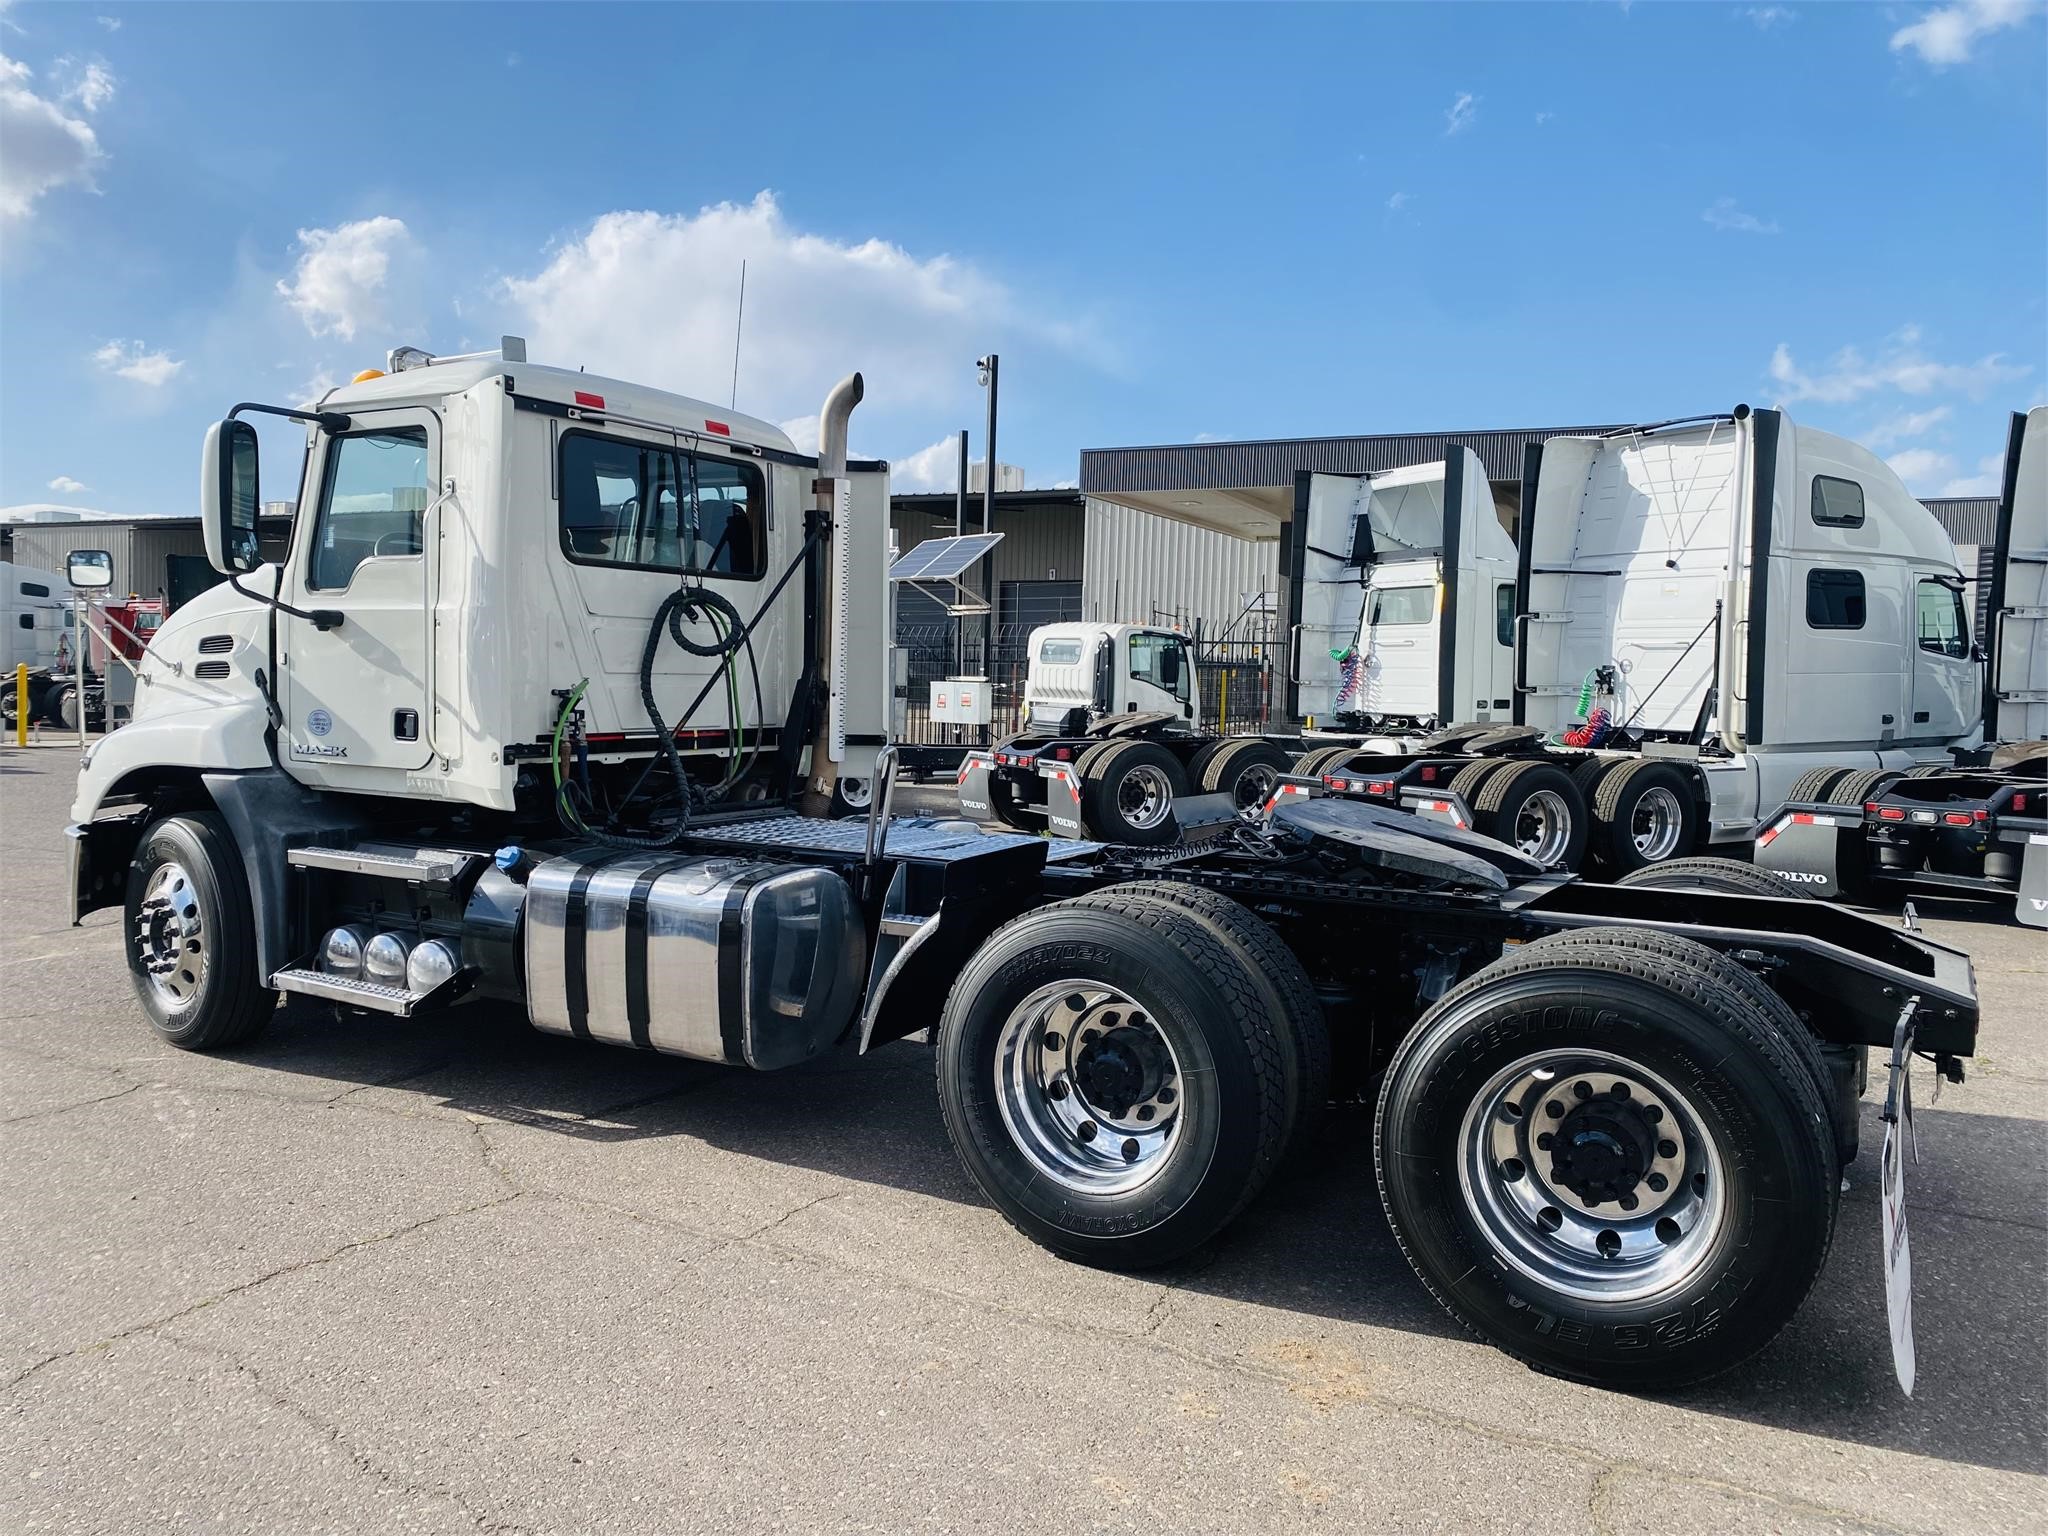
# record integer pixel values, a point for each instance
(544, 711)
(1400, 621)
(1976, 823)
(1713, 616)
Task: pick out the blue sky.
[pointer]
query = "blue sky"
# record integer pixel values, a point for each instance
(1173, 223)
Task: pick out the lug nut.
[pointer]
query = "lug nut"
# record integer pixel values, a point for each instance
(1554, 1109)
(1667, 1148)
(1145, 1111)
(1629, 1202)
(1658, 1183)
(1165, 1095)
(1619, 1090)
(1582, 1089)
(1543, 1141)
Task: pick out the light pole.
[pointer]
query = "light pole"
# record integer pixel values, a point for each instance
(990, 368)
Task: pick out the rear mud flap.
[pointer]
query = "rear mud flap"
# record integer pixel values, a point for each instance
(1819, 848)
(2032, 906)
(1062, 800)
(975, 768)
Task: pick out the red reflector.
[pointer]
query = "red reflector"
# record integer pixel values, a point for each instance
(1870, 805)
(1802, 818)
(1428, 775)
(1064, 754)
(1769, 834)
(719, 427)
(1891, 813)
(1956, 818)
(595, 402)
(1980, 814)
(2019, 803)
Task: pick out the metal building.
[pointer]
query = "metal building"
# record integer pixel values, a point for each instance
(154, 557)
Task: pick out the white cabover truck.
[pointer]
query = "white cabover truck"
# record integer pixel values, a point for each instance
(1975, 824)
(1712, 616)
(543, 703)
(1401, 621)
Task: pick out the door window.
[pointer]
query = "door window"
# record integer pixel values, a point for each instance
(1943, 629)
(1504, 613)
(1402, 605)
(376, 494)
(1160, 660)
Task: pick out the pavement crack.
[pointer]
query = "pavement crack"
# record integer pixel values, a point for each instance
(335, 1434)
(788, 1215)
(65, 1109)
(297, 1266)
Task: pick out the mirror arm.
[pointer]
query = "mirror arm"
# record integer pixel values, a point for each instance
(331, 421)
(319, 618)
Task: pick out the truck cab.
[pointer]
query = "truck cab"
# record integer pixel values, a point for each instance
(1402, 605)
(1078, 672)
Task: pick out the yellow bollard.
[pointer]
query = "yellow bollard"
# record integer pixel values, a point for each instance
(21, 704)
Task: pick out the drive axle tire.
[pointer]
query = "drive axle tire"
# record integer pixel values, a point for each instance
(1111, 1080)
(1535, 808)
(1813, 785)
(1246, 769)
(1610, 1163)
(1300, 1028)
(1855, 788)
(1643, 813)
(1712, 874)
(1127, 792)
(190, 936)
(1468, 780)
(1317, 761)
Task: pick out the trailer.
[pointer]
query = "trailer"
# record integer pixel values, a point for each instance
(1975, 825)
(1399, 621)
(1611, 1120)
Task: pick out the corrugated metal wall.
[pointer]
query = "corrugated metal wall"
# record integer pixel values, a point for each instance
(47, 546)
(1140, 567)
(141, 549)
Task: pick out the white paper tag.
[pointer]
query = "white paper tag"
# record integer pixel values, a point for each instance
(1898, 1256)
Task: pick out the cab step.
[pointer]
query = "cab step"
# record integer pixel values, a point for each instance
(308, 982)
(435, 867)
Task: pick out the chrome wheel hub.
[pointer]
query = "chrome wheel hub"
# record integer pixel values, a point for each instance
(1591, 1175)
(1144, 796)
(1543, 827)
(169, 939)
(1088, 1087)
(1657, 821)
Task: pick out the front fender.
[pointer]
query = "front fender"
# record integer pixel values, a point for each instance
(213, 737)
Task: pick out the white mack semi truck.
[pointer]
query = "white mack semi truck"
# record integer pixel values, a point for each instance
(545, 709)
(1400, 622)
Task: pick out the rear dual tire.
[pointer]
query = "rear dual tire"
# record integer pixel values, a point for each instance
(1698, 1105)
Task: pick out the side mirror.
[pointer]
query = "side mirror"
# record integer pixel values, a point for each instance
(228, 497)
(89, 569)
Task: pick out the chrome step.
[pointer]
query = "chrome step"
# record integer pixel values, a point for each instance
(425, 867)
(902, 925)
(342, 989)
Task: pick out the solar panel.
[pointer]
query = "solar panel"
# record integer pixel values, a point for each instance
(944, 559)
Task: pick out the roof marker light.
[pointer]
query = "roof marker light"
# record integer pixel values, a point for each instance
(719, 427)
(585, 398)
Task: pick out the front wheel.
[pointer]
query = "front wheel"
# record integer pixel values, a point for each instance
(1608, 1163)
(191, 936)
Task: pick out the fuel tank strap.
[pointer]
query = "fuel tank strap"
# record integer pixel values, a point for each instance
(638, 1018)
(575, 979)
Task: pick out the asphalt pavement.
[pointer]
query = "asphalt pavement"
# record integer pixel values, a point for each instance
(453, 1275)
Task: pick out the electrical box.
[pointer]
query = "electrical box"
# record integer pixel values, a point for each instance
(960, 701)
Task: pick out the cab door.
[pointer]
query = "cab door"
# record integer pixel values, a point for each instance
(355, 693)
(1158, 674)
(1947, 677)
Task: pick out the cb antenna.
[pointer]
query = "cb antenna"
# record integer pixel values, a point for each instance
(738, 321)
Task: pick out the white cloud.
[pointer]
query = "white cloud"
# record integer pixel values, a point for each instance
(1988, 481)
(1766, 17)
(1399, 201)
(1905, 424)
(109, 23)
(131, 361)
(46, 147)
(1725, 215)
(1461, 113)
(64, 485)
(1903, 367)
(936, 468)
(91, 84)
(1921, 467)
(651, 296)
(1544, 117)
(1946, 35)
(339, 286)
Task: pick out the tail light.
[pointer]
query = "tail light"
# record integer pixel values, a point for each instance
(1890, 813)
(1957, 818)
